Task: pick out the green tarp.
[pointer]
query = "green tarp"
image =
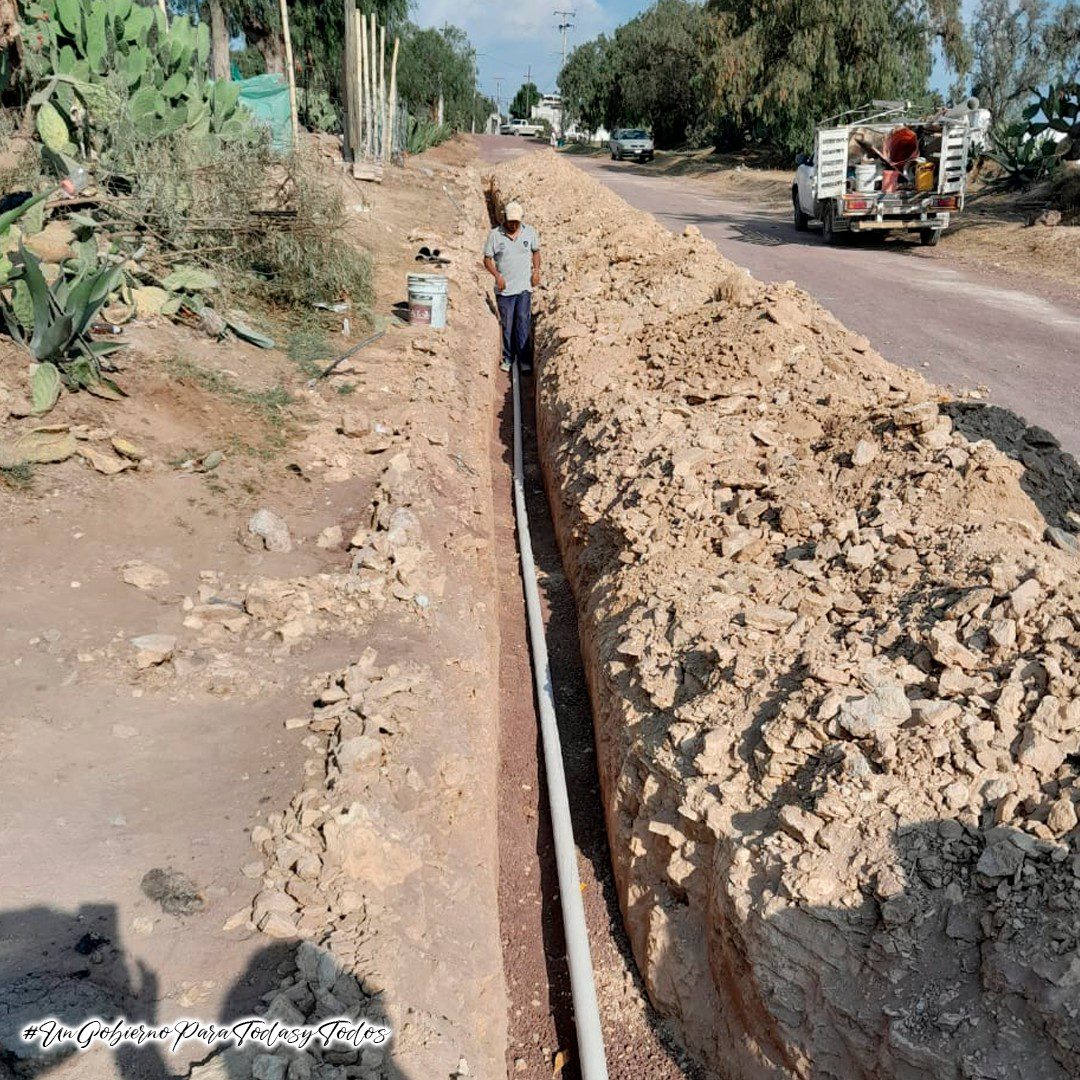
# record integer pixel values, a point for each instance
(267, 98)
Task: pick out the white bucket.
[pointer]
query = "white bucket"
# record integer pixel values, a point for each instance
(865, 175)
(427, 300)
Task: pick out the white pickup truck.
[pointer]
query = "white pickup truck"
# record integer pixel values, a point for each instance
(877, 169)
(520, 127)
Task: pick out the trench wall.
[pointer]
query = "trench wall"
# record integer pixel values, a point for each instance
(832, 651)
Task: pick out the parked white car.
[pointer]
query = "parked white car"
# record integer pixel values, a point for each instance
(631, 143)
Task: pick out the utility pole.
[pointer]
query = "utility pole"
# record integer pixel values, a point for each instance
(565, 26)
(476, 87)
(498, 80)
(528, 92)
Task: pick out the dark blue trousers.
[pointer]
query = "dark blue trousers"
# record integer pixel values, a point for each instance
(515, 314)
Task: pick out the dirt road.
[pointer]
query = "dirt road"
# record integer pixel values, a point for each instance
(957, 327)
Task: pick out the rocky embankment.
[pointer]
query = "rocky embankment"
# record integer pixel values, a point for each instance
(830, 621)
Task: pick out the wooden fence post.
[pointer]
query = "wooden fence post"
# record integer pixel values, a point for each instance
(361, 75)
(373, 85)
(290, 73)
(391, 112)
(382, 92)
(349, 75)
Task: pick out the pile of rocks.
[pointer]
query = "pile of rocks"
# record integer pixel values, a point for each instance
(335, 839)
(389, 553)
(313, 988)
(833, 641)
(339, 841)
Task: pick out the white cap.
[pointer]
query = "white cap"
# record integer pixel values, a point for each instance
(513, 211)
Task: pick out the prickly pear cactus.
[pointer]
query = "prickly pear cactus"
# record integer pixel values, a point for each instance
(75, 46)
(52, 128)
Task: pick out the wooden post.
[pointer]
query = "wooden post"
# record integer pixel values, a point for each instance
(382, 91)
(373, 84)
(391, 111)
(349, 76)
(362, 66)
(290, 73)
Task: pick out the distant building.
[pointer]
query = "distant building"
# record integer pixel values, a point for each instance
(548, 108)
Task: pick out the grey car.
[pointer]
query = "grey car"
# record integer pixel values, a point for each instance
(633, 143)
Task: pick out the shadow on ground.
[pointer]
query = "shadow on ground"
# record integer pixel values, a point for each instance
(74, 967)
(1050, 477)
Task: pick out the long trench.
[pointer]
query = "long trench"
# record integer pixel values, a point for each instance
(640, 1046)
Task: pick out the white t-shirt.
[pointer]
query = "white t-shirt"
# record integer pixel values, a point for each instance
(513, 256)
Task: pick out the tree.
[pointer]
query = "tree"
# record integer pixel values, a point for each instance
(439, 63)
(1062, 42)
(658, 62)
(779, 68)
(524, 100)
(317, 27)
(585, 83)
(220, 66)
(1015, 45)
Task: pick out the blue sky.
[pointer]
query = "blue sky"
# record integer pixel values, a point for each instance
(513, 35)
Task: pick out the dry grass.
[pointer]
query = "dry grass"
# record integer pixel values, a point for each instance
(271, 228)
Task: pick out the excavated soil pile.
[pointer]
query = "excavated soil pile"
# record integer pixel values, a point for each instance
(832, 638)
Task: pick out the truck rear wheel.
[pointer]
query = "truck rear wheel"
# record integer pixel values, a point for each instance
(802, 221)
(929, 237)
(828, 226)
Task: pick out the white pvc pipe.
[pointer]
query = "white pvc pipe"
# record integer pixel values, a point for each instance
(590, 1038)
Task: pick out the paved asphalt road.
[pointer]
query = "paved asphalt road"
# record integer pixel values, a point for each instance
(958, 327)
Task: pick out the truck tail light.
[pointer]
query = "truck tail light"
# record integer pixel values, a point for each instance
(944, 202)
(856, 204)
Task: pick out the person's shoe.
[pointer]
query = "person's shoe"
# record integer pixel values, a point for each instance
(504, 365)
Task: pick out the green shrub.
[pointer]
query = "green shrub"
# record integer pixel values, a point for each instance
(421, 135)
(52, 322)
(1023, 159)
(1031, 150)
(318, 112)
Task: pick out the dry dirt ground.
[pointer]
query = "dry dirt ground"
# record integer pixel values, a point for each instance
(316, 731)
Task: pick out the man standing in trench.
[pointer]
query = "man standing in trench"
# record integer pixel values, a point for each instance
(512, 257)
